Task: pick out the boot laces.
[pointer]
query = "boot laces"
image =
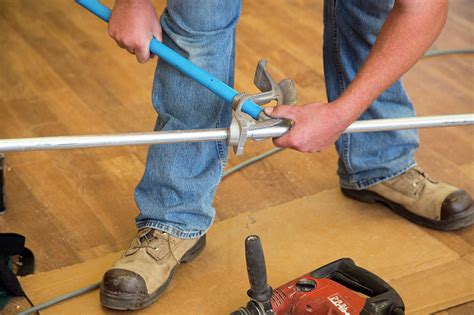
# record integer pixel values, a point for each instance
(148, 236)
(418, 176)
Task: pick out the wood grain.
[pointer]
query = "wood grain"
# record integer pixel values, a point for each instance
(60, 74)
(288, 255)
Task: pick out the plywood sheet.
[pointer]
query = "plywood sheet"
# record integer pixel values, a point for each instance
(298, 237)
(437, 288)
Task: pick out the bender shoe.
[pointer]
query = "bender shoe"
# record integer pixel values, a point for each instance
(422, 200)
(144, 271)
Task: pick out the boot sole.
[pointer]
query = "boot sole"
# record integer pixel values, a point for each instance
(125, 302)
(458, 222)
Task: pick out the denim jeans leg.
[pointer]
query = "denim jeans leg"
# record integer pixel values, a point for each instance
(176, 192)
(365, 159)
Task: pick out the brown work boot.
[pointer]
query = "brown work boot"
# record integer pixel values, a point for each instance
(422, 200)
(144, 271)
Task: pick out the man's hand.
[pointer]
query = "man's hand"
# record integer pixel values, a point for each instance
(395, 51)
(133, 24)
(316, 126)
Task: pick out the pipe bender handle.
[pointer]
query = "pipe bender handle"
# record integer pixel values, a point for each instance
(180, 63)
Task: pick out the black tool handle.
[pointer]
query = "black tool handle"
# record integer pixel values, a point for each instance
(383, 299)
(259, 289)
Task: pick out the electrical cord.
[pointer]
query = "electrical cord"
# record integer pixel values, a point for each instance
(251, 161)
(236, 168)
(31, 304)
(437, 53)
(61, 298)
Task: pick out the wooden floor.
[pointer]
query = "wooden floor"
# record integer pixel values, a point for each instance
(60, 74)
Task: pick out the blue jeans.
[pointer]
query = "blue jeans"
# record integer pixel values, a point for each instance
(365, 159)
(176, 192)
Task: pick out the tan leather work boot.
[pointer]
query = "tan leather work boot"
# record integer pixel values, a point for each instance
(422, 200)
(144, 271)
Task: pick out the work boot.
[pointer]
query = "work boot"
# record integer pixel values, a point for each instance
(420, 199)
(144, 271)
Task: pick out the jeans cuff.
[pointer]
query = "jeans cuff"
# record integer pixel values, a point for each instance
(176, 232)
(366, 183)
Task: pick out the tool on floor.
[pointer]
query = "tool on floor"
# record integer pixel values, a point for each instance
(15, 260)
(339, 287)
(343, 273)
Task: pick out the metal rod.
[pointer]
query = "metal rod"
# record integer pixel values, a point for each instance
(167, 137)
(91, 141)
(410, 123)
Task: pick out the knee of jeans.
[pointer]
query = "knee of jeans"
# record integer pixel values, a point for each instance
(202, 17)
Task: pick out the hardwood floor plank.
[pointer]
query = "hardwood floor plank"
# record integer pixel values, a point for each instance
(60, 73)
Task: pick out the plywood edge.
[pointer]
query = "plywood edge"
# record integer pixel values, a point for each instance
(320, 221)
(437, 288)
(47, 285)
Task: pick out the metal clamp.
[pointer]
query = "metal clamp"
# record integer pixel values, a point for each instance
(283, 93)
(240, 125)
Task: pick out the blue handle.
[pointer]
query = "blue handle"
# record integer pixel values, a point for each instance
(179, 62)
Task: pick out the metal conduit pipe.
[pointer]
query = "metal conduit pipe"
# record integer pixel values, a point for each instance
(94, 141)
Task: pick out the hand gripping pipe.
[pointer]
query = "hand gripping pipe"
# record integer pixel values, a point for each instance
(180, 63)
(163, 137)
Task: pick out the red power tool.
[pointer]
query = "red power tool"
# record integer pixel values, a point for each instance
(331, 289)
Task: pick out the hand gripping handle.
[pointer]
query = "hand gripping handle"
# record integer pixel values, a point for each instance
(180, 63)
